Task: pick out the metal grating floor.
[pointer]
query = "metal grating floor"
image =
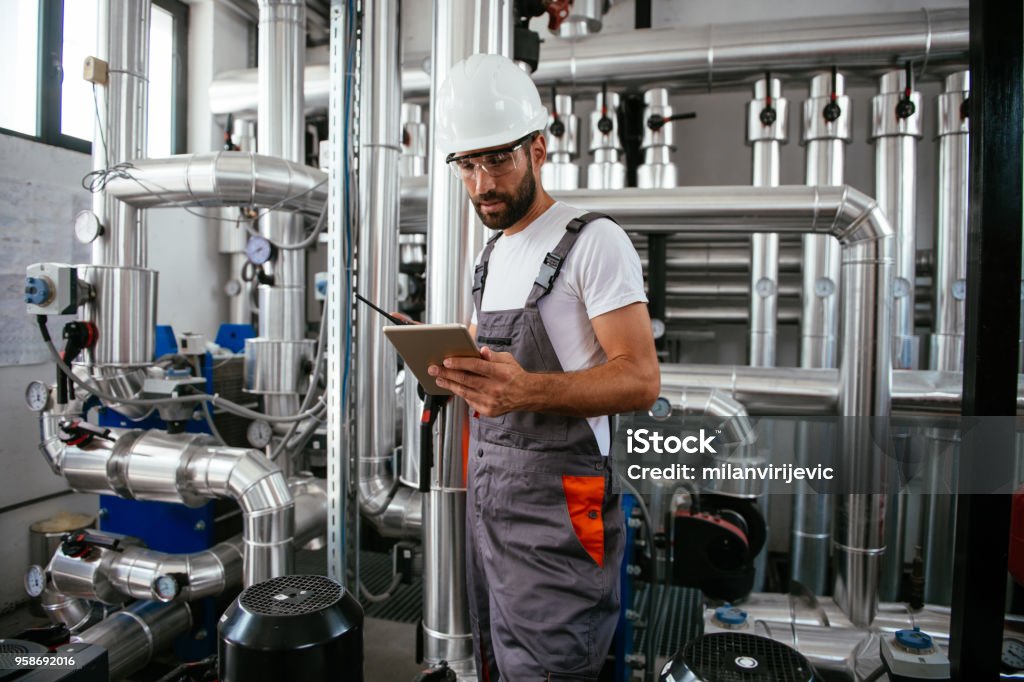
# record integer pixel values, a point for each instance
(679, 610)
(405, 606)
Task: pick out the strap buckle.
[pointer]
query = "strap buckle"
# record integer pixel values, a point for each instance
(549, 272)
(479, 277)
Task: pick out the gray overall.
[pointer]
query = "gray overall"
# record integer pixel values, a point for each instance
(544, 531)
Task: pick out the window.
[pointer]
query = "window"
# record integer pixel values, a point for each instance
(43, 44)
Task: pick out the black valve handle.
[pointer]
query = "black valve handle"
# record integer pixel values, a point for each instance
(832, 110)
(604, 124)
(768, 114)
(657, 121)
(905, 107)
(557, 128)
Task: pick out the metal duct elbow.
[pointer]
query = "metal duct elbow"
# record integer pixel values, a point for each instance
(50, 443)
(187, 469)
(131, 636)
(712, 402)
(217, 179)
(310, 496)
(73, 613)
(147, 574)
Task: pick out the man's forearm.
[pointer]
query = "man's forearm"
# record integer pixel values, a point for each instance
(619, 385)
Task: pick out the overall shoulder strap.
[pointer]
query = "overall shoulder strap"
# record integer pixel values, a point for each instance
(552, 265)
(480, 272)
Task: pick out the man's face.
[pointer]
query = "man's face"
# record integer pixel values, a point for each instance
(503, 200)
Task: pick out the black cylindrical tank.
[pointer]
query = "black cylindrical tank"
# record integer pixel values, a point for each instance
(297, 627)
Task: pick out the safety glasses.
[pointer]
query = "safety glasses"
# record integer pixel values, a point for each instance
(494, 162)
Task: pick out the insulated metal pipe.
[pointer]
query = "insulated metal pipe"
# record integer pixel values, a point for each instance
(767, 128)
(119, 254)
(699, 56)
(454, 238)
(380, 145)
(189, 469)
(120, 132)
(865, 366)
(896, 128)
(560, 170)
(947, 341)
(657, 144)
(215, 179)
(281, 133)
(825, 138)
(133, 635)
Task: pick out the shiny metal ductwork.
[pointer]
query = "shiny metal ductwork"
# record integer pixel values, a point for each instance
(189, 469)
(135, 572)
(394, 510)
(73, 613)
(585, 18)
(133, 635)
(866, 364)
(215, 179)
(124, 342)
(454, 238)
(947, 340)
(560, 171)
(700, 56)
(767, 129)
(278, 358)
(896, 129)
(606, 170)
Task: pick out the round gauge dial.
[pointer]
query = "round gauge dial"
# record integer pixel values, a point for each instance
(657, 328)
(1013, 654)
(259, 250)
(37, 396)
(824, 287)
(764, 287)
(233, 287)
(165, 588)
(87, 227)
(900, 287)
(259, 433)
(661, 409)
(960, 289)
(35, 580)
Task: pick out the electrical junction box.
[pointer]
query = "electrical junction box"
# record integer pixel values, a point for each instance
(54, 289)
(95, 71)
(913, 655)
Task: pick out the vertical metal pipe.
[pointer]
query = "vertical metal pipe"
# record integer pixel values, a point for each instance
(380, 137)
(281, 133)
(819, 323)
(947, 341)
(947, 351)
(826, 154)
(896, 129)
(765, 132)
(560, 171)
(120, 131)
(454, 237)
(338, 311)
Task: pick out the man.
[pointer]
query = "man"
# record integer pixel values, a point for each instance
(565, 340)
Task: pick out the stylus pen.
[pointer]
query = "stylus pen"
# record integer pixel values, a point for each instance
(392, 318)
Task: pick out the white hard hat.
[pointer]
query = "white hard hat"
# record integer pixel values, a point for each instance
(486, 101)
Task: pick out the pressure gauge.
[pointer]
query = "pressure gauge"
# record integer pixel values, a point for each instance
(37, 396)
(661, 409)
(1013, 655)
(259, 433)
(259, 250)
(824, 287)
(87, 227)
(764, 287)
(960, 289)
(900, 287)
(657, 328)
(35, 581)
(165, 587)
(232, 288)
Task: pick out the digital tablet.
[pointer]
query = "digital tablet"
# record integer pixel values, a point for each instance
(422, 345)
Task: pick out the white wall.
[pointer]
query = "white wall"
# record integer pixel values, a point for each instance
(40, 187)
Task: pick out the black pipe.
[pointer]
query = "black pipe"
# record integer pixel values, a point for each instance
(991, 335)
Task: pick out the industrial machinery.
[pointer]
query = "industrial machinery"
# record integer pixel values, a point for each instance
(217, 462)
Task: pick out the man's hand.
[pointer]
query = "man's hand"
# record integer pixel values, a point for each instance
(492, 384)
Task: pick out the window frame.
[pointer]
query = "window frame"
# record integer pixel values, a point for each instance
(49, 80)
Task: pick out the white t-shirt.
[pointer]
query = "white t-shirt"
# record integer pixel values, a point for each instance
(602, 273)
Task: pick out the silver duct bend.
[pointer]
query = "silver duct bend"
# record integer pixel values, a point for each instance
(131, 571)
(131, 636)
(712, 402)
(188, 469)
(217, 179)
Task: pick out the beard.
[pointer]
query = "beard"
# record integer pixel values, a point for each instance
(517, 203)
